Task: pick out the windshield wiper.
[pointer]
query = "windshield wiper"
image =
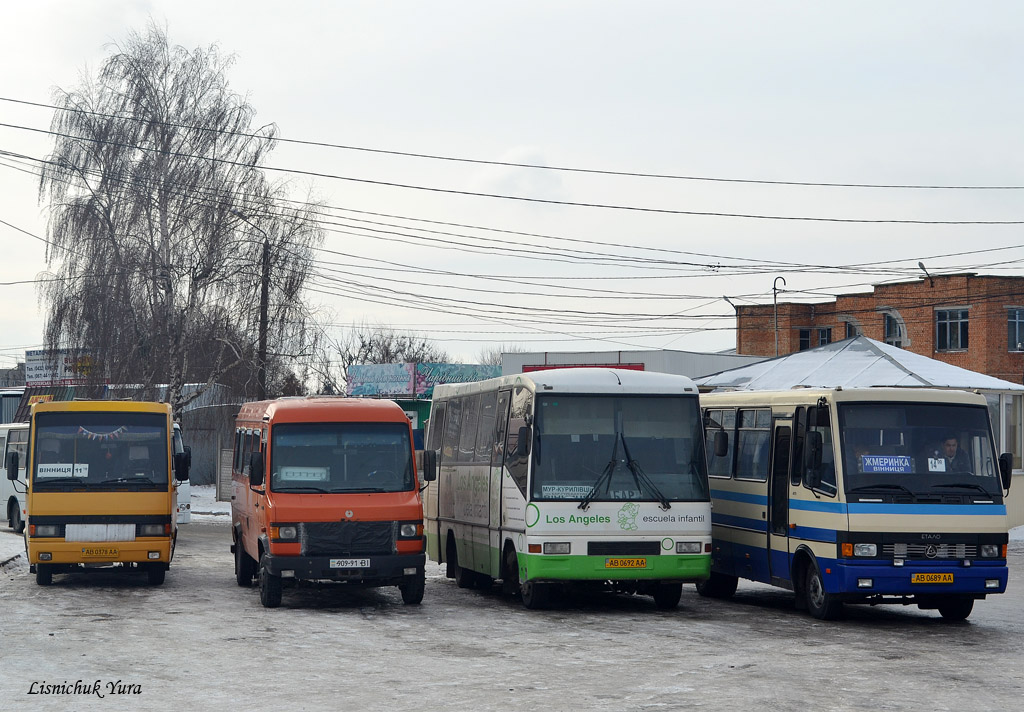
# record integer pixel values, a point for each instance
(639, 476)
(966, 485)
(60, 480)
(867, 488)
(301, 489)
(603, 479)
(127, 481)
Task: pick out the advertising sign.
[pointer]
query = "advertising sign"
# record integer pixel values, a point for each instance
(69, 368)
(429, 375)
(380, 379)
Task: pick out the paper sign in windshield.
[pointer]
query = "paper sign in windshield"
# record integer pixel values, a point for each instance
(63, 470)
(886, 463)
(565, 491)
(304, 474)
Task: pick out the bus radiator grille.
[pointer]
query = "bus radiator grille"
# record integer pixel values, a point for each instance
(939, 551)
(347, 538)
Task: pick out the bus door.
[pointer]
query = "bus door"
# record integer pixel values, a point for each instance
(778, 500)
(497, 458)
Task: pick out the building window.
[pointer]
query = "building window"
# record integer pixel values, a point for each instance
(851, 330)
(824, 336)
(894, 330)
(1015, 336)
(805, 339)
(950, 329)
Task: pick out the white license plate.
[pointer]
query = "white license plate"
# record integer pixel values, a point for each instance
(350, 563)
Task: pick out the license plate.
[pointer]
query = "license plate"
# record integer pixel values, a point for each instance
(625, 563)
(931, 578)
(350, 563)
(99, 552)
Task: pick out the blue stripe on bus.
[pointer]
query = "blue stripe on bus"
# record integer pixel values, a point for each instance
(813, 534)
(740, 497)
(975, 510)
(811, 506)
(757, 525)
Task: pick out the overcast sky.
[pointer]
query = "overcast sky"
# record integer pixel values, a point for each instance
(908, 93)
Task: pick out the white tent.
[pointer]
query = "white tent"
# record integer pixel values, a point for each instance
(858, 362)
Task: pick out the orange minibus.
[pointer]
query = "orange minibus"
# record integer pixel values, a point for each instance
(325, 489)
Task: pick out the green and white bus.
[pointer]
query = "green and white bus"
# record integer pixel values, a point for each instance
(570, 476)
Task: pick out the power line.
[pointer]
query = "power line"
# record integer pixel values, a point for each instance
(524, 199)
(513, 164)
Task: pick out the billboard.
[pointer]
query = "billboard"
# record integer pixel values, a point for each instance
(411, 379)
(63, 367)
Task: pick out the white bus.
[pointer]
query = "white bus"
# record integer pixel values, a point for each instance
(871, 495)
(578, 475)
(14, 439)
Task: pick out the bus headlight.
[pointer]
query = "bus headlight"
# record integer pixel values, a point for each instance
(408, 530)
(284, 532)
(556, 547)
(869, 550)
(990, 551)
(688, 547)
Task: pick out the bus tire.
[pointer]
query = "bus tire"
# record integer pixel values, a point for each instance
(463, 577)
(412, 589)
(956, 609)
(667, 595)
(14, 517)
(820, 603)
(156, 574)
(535, 595)
(245, 567)
(510, 574)
(270, 587)
(718, 586)
(44, 574)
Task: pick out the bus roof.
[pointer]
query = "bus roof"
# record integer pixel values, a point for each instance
(108, 406)
(323, 410)
(840, 395)
(580, 380)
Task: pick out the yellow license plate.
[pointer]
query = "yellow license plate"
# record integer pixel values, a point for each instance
(625, 563)
(99, 552)
(931, 578)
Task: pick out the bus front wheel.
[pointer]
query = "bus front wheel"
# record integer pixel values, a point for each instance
(667, 595)
(413, 588)
(14, 518)
(820, 603)
(155, 574)
(44, 574)
(535, 595)
(270, 587)
(718, 586)
(956, 609)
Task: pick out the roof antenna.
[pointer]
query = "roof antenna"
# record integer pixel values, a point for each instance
(931, 282)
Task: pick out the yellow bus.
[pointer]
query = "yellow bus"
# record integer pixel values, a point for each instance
(101, 488)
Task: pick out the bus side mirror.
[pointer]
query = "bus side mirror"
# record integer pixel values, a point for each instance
(255, 469)
(1005, 469)
(182, 461)
(12, 466)
(188, 455)
(429, 465)
(523, 443)
(721, 443)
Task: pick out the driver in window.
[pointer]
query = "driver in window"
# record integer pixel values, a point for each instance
(956, 459)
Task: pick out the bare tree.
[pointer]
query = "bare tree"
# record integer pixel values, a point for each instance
(364, 344)
(491, 355)
(159, 220)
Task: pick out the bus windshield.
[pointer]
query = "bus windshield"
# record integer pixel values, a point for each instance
(341, 457)
(100, 450)
(918, 448)
(611, 448)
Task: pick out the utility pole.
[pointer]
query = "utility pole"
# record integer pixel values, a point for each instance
(261, 372)
(775, 300)
(261, 350)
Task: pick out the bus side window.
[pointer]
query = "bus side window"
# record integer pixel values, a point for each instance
(716, 424)
(452, 424)
(246, 449)
(435, 426)
(237, 465)
(818, 422)
(522, 406)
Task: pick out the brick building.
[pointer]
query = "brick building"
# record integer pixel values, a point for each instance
(967, 320)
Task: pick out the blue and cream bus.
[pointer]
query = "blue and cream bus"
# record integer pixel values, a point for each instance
(871, 495)
(581, 476)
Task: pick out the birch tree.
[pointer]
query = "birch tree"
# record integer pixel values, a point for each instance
(159, 216)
